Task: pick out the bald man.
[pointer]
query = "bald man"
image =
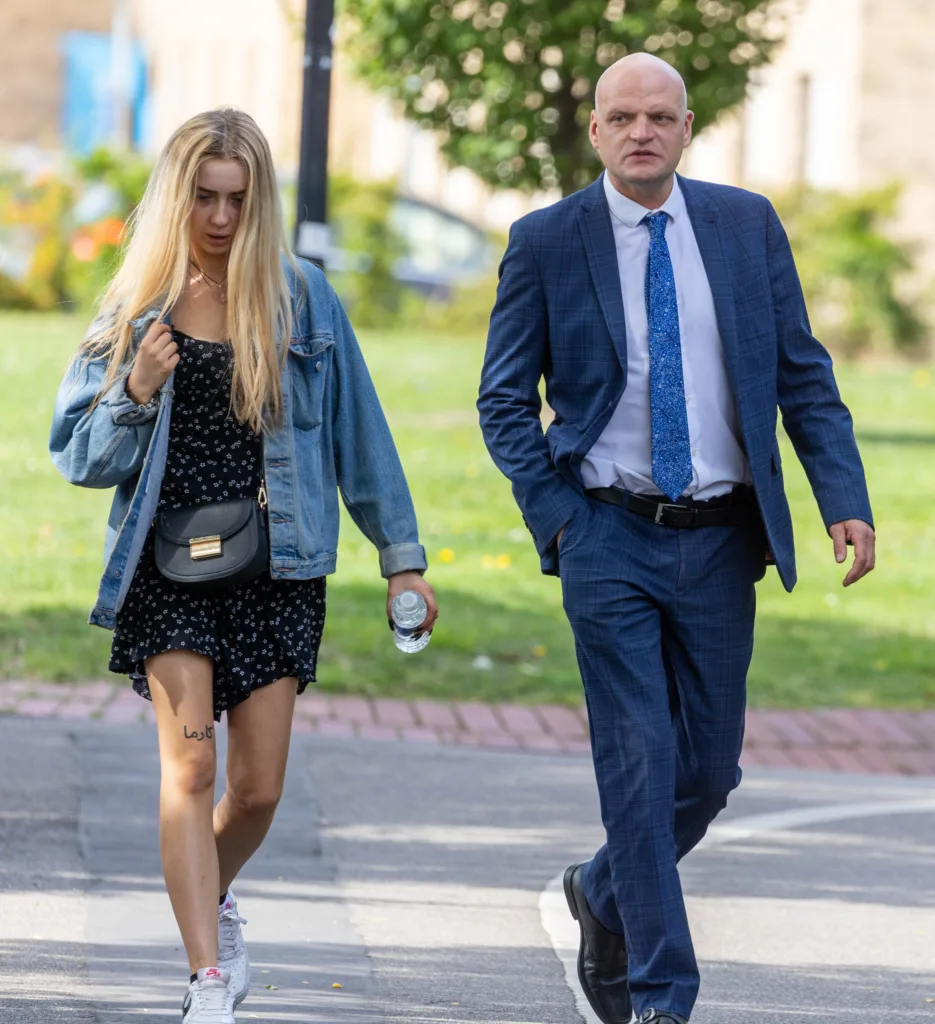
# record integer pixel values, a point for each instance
(667, 319)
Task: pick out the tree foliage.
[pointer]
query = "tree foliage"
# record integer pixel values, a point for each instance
(853, 274)
(509, 84)
(361, 215)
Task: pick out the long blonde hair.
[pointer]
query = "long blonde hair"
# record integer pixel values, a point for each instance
(154, 270)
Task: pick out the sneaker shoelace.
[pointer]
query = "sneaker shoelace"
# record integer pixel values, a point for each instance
(229, 922)
(212, 1003)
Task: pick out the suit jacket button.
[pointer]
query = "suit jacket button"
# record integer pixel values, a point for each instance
(318, 366)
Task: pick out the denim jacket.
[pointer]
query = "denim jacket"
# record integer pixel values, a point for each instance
(334, 436)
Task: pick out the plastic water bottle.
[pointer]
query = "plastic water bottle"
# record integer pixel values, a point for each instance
(409, 612)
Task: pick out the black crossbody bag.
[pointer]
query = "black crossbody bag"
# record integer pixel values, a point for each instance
(213, 547)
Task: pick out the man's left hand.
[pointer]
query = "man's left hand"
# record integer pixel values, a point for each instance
(861, 535)
(412, 581)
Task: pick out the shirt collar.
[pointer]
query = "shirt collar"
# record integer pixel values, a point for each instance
(630, 213)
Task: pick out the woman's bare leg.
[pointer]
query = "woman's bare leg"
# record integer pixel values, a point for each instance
(181, 684)
(258, 733)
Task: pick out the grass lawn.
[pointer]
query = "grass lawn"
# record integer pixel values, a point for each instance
(871, 645)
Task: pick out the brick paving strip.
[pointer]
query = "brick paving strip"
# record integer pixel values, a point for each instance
(850, 740)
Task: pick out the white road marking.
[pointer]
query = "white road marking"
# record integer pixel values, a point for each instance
(779, 821)
(563, 930)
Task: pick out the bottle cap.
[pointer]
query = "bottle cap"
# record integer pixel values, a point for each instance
(409, 600)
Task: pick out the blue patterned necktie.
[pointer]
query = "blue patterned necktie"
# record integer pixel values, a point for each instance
(672, 456)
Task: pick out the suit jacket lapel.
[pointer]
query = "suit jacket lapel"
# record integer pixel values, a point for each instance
(601, 249)
(710, 237)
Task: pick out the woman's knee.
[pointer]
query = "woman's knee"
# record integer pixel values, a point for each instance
(191, 775)
(256, 797)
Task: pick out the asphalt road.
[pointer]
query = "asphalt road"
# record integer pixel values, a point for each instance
(418, 879)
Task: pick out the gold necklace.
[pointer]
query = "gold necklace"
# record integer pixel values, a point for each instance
(222, 291)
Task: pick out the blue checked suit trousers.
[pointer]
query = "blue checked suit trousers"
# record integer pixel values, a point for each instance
(663, 628)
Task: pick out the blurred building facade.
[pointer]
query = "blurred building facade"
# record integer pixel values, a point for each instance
(211, 53)
(32, 65)
(841, 106)
(249, 53)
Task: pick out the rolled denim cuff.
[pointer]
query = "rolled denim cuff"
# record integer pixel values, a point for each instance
(125, 411)
(402, 558)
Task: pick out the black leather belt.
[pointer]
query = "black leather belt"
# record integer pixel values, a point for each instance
(734, 509)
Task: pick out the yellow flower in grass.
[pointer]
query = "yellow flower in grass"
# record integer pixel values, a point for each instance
(540, 651)
(446, 555)
(922, 378)
(503, 561)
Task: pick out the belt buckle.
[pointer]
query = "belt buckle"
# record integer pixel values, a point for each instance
(663, 506)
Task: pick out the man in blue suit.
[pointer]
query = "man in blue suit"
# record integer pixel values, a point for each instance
(667, 319)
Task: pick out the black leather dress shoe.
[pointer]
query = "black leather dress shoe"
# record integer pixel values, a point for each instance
(660, 1017)
(602, 957)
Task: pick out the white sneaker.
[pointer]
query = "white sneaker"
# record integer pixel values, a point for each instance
(208, 1000)
(232, 953)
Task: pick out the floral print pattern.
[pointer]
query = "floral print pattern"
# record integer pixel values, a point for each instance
(254, 633)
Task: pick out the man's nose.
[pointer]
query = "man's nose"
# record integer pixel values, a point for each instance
(642, 130)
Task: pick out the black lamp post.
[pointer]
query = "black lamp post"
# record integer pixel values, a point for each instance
(312, 236)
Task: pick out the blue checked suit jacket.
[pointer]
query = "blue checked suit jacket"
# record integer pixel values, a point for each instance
(559, 316)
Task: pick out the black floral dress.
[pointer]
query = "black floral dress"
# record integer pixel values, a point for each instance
(254, 633)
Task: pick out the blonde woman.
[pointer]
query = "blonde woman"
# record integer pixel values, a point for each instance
(221, 389)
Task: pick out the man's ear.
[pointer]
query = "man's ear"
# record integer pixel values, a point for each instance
(592, 131)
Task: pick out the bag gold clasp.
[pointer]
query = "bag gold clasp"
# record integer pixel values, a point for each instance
(204, 547)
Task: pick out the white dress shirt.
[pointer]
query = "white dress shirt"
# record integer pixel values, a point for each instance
(622, 455)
